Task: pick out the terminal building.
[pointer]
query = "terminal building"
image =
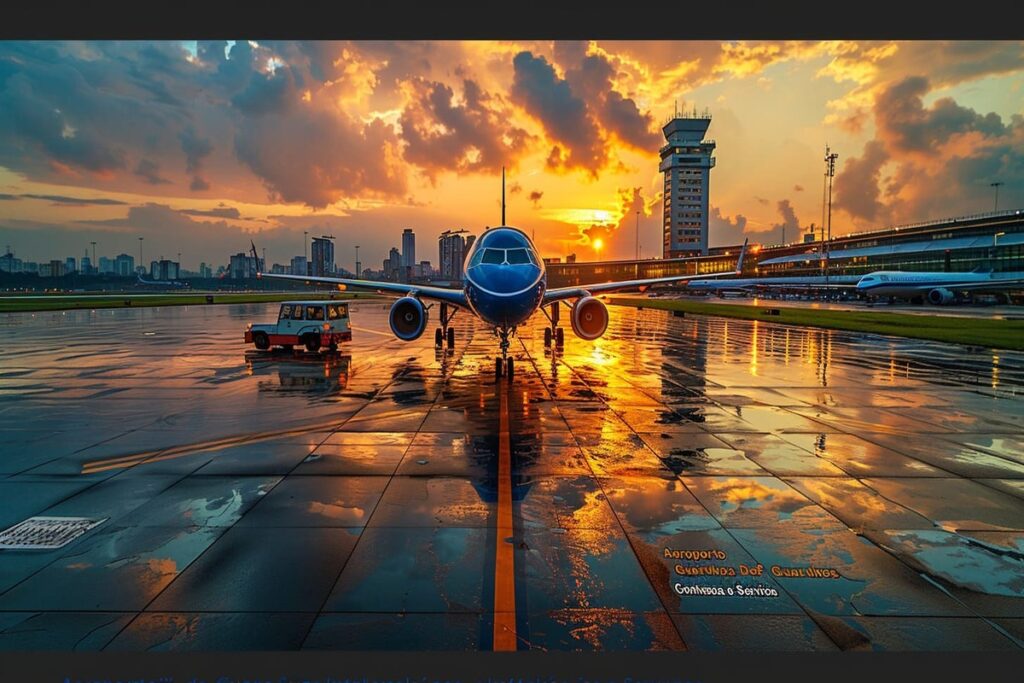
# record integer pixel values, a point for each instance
(989, 241)
(992, 240)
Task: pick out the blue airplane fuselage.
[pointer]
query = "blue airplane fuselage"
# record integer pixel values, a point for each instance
(505, 278)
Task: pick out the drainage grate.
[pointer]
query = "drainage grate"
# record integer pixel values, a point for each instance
(45, 533)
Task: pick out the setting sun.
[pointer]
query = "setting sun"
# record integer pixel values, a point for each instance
(598, 244)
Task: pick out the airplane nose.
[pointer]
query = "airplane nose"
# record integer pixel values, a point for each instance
(508, 280)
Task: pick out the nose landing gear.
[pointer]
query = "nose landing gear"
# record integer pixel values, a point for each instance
(504, 365)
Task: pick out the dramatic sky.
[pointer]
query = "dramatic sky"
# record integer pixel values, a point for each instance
(200, 147)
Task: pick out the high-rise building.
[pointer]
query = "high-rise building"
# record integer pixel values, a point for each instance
(164, 269)
(408, 248)
(9, 263)
(244, 266)
(394, 267)
(452, 246)
(300, 266)
(105, 265)
(205, 271)
(322, 256)
(86, 264)
(124, 265)
(686, 162)
(70, 265)
(56, 268)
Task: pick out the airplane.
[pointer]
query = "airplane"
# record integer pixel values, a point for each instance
(504, 284)
(935, 288)
(164, 283)
(781, 283)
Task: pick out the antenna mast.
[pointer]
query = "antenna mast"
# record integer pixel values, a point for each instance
(503, 195)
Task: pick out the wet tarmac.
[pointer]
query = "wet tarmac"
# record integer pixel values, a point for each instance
(682, 483)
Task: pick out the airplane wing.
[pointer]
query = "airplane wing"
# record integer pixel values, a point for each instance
(836, 285)
(577, 291)
(1008, 283)
(445, 294)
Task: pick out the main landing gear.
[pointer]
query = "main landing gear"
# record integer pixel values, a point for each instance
(553, 332)
(504, 365)
(445, 333)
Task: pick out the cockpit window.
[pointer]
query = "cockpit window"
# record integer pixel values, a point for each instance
(494, 256)
(517, 256)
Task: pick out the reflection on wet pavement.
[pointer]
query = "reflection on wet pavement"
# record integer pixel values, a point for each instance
(681, 483)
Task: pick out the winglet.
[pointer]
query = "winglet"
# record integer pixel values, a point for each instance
(256, 256)
(743, 252)
(503, 195)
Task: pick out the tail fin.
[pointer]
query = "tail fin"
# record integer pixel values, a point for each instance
(743, 252)
(256, 257)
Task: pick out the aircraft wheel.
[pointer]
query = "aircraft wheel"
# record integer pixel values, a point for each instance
(451, 337)
(497, 368)
(511, 369)
(547, 336)
(437, 337)
(261, 340)
(560, 336)
(312, 342)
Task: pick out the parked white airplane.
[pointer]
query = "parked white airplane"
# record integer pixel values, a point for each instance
(935, 288)
(790, 283)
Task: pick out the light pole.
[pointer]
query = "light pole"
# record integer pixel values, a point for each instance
(996, 186)
(95, 266)
(638, 234)
(830, 159)
(357, 262)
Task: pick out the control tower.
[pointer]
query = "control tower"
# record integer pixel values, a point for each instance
(686, 162)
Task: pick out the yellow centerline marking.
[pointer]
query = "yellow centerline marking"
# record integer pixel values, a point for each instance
(504, 560)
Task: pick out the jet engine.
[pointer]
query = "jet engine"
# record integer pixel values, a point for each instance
(589, 318)
(940, 295)
(408, 318)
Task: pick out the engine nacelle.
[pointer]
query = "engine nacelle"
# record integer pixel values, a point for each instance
(408, 318)
(589, 318)
(940, 295)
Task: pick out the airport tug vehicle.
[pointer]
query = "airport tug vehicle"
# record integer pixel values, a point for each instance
(313, 324)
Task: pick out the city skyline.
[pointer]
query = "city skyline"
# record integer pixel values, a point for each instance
(200, 147)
